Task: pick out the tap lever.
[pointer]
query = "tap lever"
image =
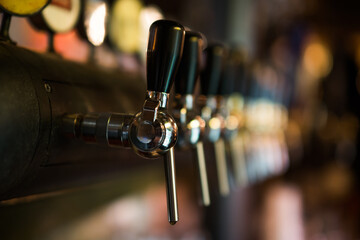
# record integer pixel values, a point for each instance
(239, 164)
(169, 165)
(205, 194)
(222, 167)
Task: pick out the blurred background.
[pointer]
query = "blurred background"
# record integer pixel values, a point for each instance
(300, 91)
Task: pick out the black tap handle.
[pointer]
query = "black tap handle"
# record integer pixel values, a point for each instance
(239, 58)
(210, 76)
(190, 63)
(232, 77)
(166, 42)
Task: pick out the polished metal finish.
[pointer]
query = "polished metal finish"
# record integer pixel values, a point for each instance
(214, 121)
(232, 123)
(215, 57)
(205, 193)
(229, 134)
(150, 109)
(162, 97)
(148, 138)
(235, 105)
(152, 139)
(189, 101)
(103, 128)
(191, 128)
(71, 125)
(169, 165)
(238, 155)
(89, 127)
(117, 132)
(221, 167)
(153, 131)
(191, 125)
(215, 125)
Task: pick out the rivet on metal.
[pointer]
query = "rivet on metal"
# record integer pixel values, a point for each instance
(47, 87)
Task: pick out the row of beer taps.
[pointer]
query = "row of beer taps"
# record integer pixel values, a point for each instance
(212, 114)
(218, 115)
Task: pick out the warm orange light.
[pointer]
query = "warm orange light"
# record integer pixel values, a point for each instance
(214, 123)
(317, 59)
(194, 124)
(232, 122)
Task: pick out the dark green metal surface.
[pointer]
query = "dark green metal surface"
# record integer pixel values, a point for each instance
(36, 90)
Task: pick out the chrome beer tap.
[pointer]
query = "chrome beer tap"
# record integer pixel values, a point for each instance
(152, 132)
(191, 125)
(235, 71)
(228, 107)
(210, 77)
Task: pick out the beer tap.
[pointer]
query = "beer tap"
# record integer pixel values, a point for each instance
(210, 77)
(229, 106)
(236, 69)
(152, 132)
(191, 125)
